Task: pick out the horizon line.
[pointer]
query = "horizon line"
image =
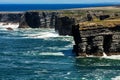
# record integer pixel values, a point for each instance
(68, 3)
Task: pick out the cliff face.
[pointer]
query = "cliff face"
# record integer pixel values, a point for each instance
(97, 41)
(61, 20)
(95, 31)
(63, 25)
(38, 20)
(12, 17)
(98, 35)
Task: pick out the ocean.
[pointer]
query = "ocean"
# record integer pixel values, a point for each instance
(42, 54)
(25, 7)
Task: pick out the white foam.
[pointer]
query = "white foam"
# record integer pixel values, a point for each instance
(47, 34)
(52, 54)
(68, 73)
(104, 54)
(4, 25)
(42, 35)
(117, 57)
(116, 78)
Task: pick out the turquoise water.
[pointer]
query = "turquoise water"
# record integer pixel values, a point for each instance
(41, 54)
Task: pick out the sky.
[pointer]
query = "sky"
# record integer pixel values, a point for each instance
(56, 1)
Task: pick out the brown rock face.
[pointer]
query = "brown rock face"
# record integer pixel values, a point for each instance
(97, 41)
(99, 34)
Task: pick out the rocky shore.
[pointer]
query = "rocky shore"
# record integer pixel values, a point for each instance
(10, 20)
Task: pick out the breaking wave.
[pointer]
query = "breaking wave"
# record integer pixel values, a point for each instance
(4, 26)
(116, 78)
(117, 57)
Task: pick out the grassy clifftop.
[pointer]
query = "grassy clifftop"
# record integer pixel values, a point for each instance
(99, 24)
(93, 18)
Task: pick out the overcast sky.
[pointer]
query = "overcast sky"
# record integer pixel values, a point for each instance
(56, 1)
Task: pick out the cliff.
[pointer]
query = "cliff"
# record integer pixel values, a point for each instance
(39, 19)
(35, 19)
(10, 17)
(95, 30)
(63, 20)
(99, 34)
(47, 19)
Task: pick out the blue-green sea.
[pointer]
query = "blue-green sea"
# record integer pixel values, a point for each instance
(41, 54)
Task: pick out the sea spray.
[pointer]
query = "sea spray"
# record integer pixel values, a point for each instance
(8, 25)
(104, 54)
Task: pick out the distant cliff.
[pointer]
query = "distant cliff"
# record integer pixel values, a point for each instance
(38, 19)
(12, 17)
(48, 19)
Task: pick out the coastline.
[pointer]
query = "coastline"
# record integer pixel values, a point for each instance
(64, 21)
(75, 44)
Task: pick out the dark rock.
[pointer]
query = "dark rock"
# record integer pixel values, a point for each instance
(9, 28)
(102, 17)
(23, 23)
(64, 25)
(10, 17)
(89, 17)
(38, 19)
(32, 19)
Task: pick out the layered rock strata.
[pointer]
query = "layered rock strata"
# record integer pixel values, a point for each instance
(98, 34)
(96, 39)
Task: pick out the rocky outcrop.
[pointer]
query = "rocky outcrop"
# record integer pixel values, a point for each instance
(96, 40)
